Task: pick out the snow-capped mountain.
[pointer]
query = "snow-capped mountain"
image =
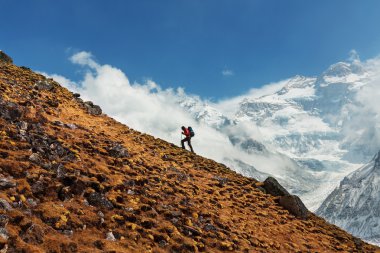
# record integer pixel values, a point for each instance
(303, 122)
(354, 205)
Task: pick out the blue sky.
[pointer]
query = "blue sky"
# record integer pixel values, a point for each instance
(191, 43)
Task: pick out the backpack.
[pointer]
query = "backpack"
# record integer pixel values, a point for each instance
(191, 131)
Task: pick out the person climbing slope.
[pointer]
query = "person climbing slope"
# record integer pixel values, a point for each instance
(188, 132)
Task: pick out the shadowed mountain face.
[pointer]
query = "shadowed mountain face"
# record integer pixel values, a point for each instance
(74, 180)
(354, 205)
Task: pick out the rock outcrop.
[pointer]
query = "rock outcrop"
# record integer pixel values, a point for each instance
(5, 59)
(292, 203)
(74, 180)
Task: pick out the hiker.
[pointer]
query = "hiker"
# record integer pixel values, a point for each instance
(188, 132)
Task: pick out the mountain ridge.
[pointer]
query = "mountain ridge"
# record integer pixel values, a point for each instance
(354, 204)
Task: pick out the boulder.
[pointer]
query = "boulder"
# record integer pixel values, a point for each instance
(294, 205)
(117, 150)
(10, 111)
(289, 202)
(6, 183)
(44, 85)
(273, 187)
(92, 109)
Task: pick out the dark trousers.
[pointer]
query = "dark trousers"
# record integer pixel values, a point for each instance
(188, 140)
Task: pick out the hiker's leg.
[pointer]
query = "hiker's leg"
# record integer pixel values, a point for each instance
(183, 143)
(191, 147)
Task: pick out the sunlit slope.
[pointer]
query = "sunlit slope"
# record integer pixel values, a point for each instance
(74, 180)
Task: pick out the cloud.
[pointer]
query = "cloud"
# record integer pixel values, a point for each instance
(361, 127)
(148, 108)
(354, 56)
(227, 72)
(145, 107)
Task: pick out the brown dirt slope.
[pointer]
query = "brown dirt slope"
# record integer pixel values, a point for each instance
(75, 180)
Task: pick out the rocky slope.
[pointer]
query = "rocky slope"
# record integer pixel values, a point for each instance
(74, 180)
(354, 205)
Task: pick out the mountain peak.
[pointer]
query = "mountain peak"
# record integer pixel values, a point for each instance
(342, 69)
(4, 58)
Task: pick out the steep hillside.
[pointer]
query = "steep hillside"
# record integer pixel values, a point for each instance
(74, 180)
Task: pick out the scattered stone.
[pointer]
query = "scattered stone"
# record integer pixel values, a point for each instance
(6, 183)
(209, 227)
(110, 237)
(23, 125)
(294, 205)
(60, 171)
(10, 111)
(71, 126)
(273, 187)
(35, 157)
(99, 200)
(101, 214)
(67, 232)
(175, 213)
(130, 192)
(58, 123)
(4, 233)
(117, 150)
(192, 230)
(31, 202)
(4, 205)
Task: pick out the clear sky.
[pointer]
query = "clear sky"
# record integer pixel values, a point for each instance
(213, 48)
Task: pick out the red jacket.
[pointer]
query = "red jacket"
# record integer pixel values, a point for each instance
(186, 132)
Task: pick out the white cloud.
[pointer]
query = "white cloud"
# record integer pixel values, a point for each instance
(145, 107)
(149, 108)
(354, 56)
(227, 72)
(362, 125)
